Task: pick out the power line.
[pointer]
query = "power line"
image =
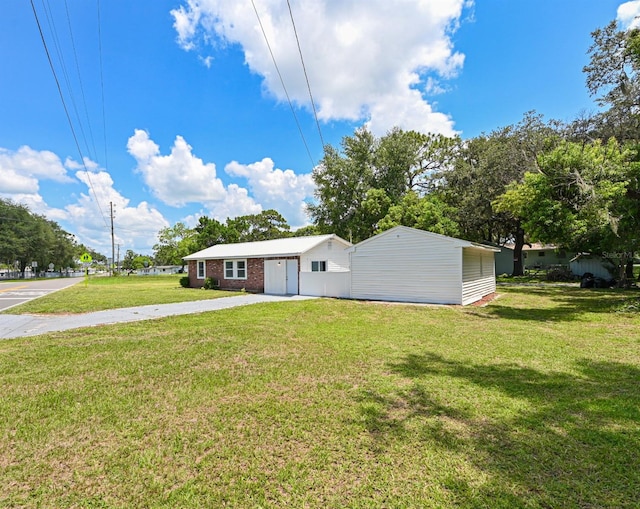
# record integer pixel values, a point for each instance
(306, 77)
(63, 66)
(84, 100)
(273, 58)
(104, 116)
(66, 111)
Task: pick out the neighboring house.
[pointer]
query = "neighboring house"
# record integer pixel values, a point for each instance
(314, 265)
(540, 256)
(585, 262)
(409, 265)
(159, 270)
(503, 259)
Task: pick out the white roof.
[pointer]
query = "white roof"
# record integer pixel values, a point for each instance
(453, 240)
(291, 246)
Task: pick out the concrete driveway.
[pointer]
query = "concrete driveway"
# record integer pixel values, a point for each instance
(15, 326)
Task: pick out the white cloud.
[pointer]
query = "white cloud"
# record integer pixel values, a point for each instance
(135, 226)
(237, 203)
(23, 169)
(364, 59)
(629, 14)
(181, 178)
(272, 187)
(178, 178)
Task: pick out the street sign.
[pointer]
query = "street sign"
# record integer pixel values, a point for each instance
(85, 258)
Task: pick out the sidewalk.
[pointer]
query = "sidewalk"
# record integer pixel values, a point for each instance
(16, 326)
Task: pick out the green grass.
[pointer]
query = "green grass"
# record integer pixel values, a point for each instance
(530, 402)
(99, 293)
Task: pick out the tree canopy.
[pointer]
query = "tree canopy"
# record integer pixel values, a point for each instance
(26, 238)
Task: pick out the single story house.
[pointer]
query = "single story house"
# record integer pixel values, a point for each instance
(314, 265)
(409, 265)
(540, 256)
(159, 270)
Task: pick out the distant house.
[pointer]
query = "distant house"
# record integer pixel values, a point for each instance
(538, 257)
(409, 265)
(314, 265)
(159, 270)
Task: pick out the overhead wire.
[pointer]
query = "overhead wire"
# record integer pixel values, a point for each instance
(306, 76)
(84, 100)
(66, 110)
(104, 116)
(63, 67)
(273, 58)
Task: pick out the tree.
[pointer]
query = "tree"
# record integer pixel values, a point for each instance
(306, 231)
(268, 224)
(429, 213)
(342, 180)
(26, 238)
(585, 197)
(355, 186)
(127, 261)
(612, 76)
(209, 232)
(174, 243)
(481, 172)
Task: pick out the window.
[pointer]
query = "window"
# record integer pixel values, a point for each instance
(200, 269)
(542, 253)
(319, 266)
(235, 269)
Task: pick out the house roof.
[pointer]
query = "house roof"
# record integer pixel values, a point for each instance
(452, 240)
(291, 246)
(536, 246)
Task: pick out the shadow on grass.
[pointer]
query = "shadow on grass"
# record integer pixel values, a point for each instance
(558, 303)
(558, 440)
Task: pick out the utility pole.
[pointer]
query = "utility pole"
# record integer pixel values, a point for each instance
(113, 260)
(118, 265)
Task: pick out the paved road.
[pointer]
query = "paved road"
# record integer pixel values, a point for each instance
(13, 293)
(14, 326)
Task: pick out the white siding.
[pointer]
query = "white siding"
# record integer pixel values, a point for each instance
(595, 265)
(326, 284)
(332, 251)
(407, 266)
(478, 275)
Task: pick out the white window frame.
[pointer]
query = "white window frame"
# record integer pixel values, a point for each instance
(203, 264)
(235, 270)
(321, 265)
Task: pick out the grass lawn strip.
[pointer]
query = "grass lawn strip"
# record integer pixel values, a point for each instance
(101, 293)
(532, 401)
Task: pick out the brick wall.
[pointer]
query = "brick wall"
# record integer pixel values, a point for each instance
(215, 269)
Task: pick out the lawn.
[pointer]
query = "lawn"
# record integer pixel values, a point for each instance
(98, 293)
(532, 401)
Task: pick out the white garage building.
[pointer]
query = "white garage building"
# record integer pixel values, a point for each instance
(408, 265)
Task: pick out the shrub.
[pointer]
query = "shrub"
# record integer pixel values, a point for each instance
(184, 281)
(211, 284)
(559, 274)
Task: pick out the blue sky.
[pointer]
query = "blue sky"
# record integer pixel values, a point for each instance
(178, 110)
